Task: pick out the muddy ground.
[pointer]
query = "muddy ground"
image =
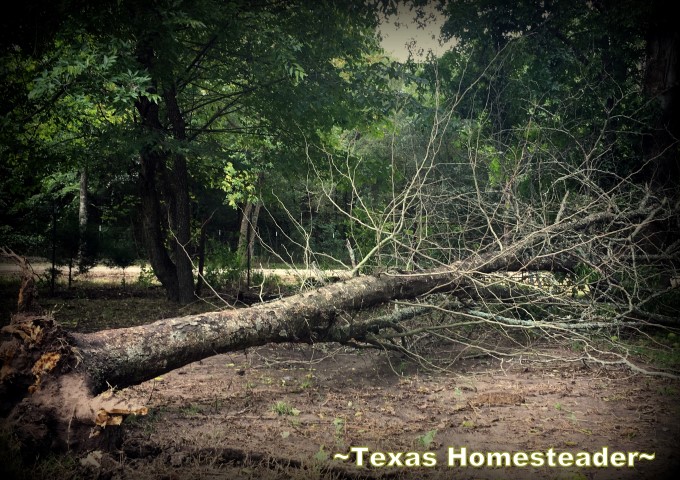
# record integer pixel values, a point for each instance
(284, 411)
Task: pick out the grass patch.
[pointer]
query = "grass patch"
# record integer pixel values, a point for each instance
(285, 409)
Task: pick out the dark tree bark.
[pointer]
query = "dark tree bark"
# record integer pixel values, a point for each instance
(164, 183)
(178, 186)
(152, 223)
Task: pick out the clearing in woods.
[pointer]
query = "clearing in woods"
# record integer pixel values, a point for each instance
(283, 411)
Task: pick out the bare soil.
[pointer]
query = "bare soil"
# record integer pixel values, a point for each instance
(284, 411)
(340, 398)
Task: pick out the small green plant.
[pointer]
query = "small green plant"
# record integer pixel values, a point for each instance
(147, 423)
(667, 390)
(339, 424)
(307, 382)
(192, 410)
(146, 276)
(270, 281)
(321, 455)
(558, 406)
(427, 439)
(285, 409)
(468, 424)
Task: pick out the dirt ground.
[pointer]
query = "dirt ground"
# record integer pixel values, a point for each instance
(284, 411)
(304, 404)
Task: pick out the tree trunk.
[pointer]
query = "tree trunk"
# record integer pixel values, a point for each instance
(180, 210)
(246, 236)
(152, 221)
(82, 221)
(50, 385)
(164, 177)
(50, 389)
(201, 257)
(49, 379)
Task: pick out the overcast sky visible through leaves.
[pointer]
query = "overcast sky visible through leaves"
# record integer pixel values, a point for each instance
(398, 31)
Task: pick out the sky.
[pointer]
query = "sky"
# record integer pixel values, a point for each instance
(396, 37)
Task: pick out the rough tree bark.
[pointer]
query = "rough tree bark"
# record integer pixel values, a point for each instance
(50, 379)
(164, 183)
(246, 238)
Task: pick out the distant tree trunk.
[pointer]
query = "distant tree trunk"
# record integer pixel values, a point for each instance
(82, 220)
(201, 254)
(54, 249)
(253, 226)
(243, 230)
(247, 233)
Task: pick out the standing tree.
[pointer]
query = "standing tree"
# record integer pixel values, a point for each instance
(189, 78)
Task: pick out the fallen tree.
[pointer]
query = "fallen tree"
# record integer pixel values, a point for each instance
(52, 380)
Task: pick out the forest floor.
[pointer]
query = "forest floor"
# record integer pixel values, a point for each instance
(284, 411)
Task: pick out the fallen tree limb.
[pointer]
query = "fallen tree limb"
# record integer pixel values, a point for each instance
(51, 381)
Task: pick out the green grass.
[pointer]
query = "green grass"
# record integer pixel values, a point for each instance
(285, 409)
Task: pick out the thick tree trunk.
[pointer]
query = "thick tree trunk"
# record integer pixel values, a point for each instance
(178, 183)
(152, 221)
(164, 176)
(128, 356)
(49, 379)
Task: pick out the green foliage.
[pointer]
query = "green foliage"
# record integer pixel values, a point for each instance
(551, 74)
(283, 408)
(192, 410)
(223, 267)
(146, 276)
(427, 439)
(339, 424)
(253, 85)
(117, 248)
(239, 186)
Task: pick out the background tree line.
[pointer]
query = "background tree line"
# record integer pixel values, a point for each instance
(155, 130)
